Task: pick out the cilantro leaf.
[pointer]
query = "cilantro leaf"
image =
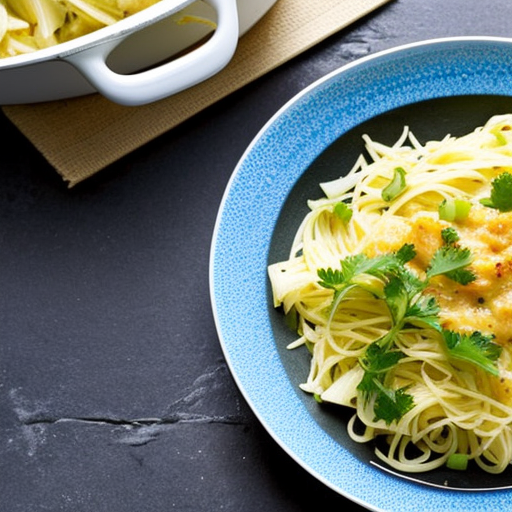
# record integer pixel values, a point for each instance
(412, 283)
(449, 235)
(353, 266)
(424, 312)
(337, 280)
(377, 266)
(452, 261)
(462, 276)
(501, 193)
(475, 348)
(406, 253)
(378, 359)
(330, 278)
(391, 405)
(397, 298)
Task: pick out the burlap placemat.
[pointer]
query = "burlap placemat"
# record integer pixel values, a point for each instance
(83, 135)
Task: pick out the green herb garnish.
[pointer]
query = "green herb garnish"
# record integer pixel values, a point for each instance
(501, 193)
(449, 236)
(292, 319)
(409, 308)
(452, 261)
(396, 186)
(454, 210)
(343, 212)
(475, 348)
(457, 461)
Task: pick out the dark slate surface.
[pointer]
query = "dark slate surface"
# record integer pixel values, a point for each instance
(114, 393)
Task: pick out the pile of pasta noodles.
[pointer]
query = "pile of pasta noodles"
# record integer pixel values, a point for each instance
(399, 282)
(30, 25)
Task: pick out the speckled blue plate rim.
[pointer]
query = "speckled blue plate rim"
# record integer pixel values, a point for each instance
(258, 187)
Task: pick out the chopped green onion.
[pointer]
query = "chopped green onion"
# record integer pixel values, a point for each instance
(457, 461)
(343, 212)
(454, 210)
(502, 141)
(500, 138)
(292, 319)
(396, 186)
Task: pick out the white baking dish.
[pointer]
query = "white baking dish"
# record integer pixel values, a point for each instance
(138, 60)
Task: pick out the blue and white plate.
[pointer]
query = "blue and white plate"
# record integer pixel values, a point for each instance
(435, 87)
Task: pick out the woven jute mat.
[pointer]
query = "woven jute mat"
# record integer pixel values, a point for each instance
(81, 136)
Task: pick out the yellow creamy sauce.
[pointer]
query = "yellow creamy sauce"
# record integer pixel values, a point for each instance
(484, 305)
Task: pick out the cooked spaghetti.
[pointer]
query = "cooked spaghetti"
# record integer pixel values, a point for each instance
(400, 284)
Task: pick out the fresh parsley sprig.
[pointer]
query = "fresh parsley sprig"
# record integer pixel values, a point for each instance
(390, 404)
(359, 264)
(476, 348)
(501, 193)
(450, 235)
(409, 307)
(398, 288)
(452, 261)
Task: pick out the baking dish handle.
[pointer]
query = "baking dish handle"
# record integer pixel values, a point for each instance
(166, 79)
